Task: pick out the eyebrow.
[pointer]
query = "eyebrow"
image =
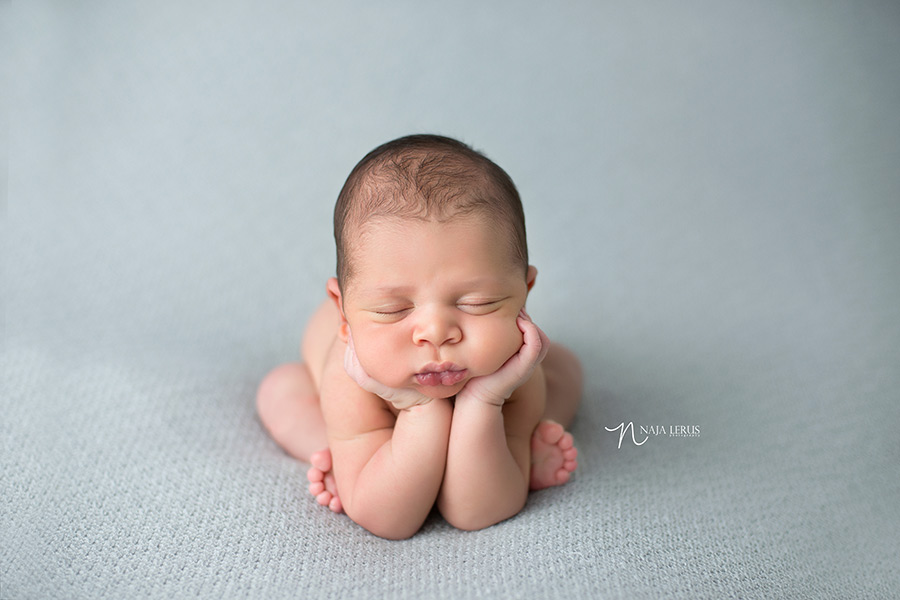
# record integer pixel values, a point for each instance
(389, 290)
(482, 282)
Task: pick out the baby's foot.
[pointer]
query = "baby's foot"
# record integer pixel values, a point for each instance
(321, 481)
(553, 456)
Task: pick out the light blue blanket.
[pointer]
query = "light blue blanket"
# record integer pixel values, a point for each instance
(713, 201)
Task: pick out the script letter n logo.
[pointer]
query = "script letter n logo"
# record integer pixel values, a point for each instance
(622, 428)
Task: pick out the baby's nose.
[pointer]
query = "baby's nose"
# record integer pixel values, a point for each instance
(436, 327)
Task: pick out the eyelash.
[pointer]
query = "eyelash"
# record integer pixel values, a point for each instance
(390, 313)
(479, 305)
(394, 313)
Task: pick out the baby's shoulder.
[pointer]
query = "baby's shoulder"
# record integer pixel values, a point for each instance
(345, 405)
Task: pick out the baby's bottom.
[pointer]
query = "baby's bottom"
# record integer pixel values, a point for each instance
(288, 406)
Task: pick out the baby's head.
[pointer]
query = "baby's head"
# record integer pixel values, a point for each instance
(426, 177)
(432, 266)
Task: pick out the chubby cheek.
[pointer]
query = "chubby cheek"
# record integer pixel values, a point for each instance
(379, 356)
(494, 343)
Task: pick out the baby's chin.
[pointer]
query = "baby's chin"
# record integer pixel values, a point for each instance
(442, 391)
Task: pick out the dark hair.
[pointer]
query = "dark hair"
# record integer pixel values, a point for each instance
(428, 177)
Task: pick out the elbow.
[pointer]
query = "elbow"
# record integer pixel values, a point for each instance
(387, 526)
(393, 531)
(473, 520)
(394, 535)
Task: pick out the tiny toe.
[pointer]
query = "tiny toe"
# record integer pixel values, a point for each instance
(570, 465)
(324, 498)
(570, 454)
(321, 460)
(562, 476)
(315, 475)
(552, 432)
(316, 488)
(547, 432)
(566, 441)
(335, 505)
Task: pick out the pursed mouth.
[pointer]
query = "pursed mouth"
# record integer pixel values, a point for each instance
(441, 375)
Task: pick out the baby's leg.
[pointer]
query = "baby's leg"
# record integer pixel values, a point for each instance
(288, 406)
(565, 380)
(553, 455)
(288, 397)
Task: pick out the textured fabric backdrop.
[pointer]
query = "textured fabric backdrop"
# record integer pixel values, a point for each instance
(713, 203)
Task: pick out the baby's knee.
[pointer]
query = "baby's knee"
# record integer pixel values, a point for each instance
(563, 365)
(276, 383)
(568, 358)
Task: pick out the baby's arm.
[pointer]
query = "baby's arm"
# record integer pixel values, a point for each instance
(388, 469)
(489, 456)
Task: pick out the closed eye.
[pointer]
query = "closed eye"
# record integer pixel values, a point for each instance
(480, 308)
(389, 314)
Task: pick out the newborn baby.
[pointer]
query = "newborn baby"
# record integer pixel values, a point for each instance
(424, 381)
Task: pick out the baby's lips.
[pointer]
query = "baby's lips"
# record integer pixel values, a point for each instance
(445, 378)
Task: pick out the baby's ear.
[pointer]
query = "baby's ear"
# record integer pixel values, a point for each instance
(531, 276)
(334, 292)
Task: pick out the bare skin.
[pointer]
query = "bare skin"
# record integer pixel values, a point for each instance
(423, 384)
(288, 405)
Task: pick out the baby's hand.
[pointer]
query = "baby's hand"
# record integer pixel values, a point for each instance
(497, 387)
(401, 398)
